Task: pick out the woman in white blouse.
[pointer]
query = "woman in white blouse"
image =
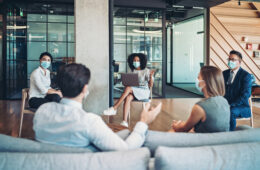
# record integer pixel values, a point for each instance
(137, 63)
(40, 84)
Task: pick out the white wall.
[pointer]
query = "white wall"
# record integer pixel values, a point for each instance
(188, 50)
(92, 49)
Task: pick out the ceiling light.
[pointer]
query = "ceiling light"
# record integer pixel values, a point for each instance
(146, 18)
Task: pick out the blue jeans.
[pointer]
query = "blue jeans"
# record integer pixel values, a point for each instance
(238, 112)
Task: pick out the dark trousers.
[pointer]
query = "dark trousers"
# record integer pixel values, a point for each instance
(36, 102)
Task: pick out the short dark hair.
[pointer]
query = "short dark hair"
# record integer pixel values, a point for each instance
(142, 57)
(236, 53)
(72, 78)
(46, 53)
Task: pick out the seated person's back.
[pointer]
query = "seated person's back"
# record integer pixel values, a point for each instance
(217, 115)
(59, 123)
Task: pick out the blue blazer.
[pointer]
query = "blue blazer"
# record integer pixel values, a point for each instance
(239, 92)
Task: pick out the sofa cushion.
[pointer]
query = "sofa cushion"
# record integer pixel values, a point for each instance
(239, 156)
(126, 160)
(12, 144)
(155, 138)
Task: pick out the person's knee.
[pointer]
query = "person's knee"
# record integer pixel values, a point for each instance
(128, 89)
(129, 98)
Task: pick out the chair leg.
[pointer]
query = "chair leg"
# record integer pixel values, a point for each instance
(143, 104)
(252, 121)
(129, 118)
(21, 125)
(108, 119)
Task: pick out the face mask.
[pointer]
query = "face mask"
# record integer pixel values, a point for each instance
(45, 64)
(197, 84)
(136, 64)
(86, 95)
(232, 64)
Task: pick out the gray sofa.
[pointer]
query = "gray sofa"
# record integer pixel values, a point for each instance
(226, 150)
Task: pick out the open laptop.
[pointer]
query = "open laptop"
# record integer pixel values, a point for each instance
(130, 79)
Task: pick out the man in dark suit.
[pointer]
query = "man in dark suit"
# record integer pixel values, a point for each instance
(238, 85)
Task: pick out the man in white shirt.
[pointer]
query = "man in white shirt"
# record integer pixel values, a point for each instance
(66, 123)
(40, 84)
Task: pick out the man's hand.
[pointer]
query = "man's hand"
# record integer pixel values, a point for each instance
(149, 113)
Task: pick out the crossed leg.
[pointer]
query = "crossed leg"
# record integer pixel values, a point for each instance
(128, 90)
(127, 103)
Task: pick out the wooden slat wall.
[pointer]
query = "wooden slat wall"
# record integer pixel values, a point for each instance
(229, 23)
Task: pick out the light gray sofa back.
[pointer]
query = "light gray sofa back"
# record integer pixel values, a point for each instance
(241, 156)
(18, 153)
(155, 138)
(126, 160)
(12, 144)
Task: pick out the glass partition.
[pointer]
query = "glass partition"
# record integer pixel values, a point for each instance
(34, 28)
(187, 53)
(137, 31)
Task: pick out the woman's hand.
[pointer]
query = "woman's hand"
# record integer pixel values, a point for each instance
(53, 91)
(59, 93)
(149, 113)
(177, 124)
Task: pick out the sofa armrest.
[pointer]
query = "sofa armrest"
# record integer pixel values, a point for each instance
(239, 156)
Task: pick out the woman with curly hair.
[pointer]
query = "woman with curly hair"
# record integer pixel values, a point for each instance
(137, 63)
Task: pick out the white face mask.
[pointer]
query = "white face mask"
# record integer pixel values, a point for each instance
(197, 82)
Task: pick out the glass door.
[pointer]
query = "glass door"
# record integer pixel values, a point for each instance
(185, 52)
(188, 52)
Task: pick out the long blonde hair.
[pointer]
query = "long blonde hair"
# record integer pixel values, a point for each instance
(214, 80)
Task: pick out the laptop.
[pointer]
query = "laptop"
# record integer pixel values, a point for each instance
(130, 79)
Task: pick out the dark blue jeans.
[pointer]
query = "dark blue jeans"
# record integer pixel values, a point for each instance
(238, 112)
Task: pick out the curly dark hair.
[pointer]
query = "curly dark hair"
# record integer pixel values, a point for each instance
(142, 57)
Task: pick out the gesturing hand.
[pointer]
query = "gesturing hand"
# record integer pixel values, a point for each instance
(149, 113)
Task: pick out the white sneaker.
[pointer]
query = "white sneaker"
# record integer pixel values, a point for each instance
(110, 111)
(124, 123)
